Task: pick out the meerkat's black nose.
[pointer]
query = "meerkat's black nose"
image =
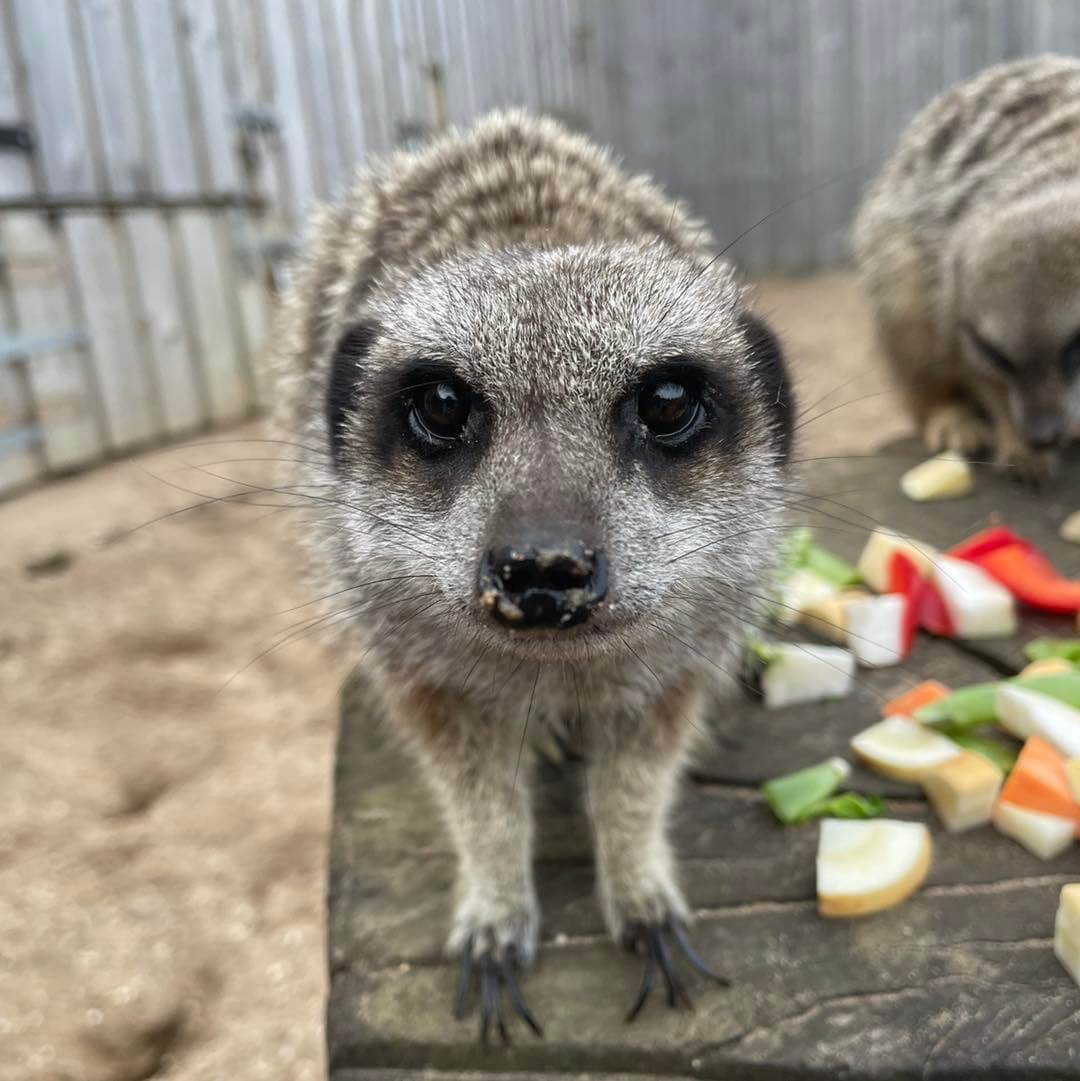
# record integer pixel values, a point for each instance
(1044, 431)
(541, 586)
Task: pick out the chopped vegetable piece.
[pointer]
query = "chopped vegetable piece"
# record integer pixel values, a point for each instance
(800, 550)
(828, 618)
(800, 589)
(876, 630)
(848, 805)
(1043, 835)
(963, 791)
(1072, 775)
(978, 606)
(1002, 757)
(791, 796)
(1067, 930)
(925, 605)
(969, 707)
(1070, 528)
(874, 563)
(804, 672)
(905, 705)
(1052, 666)
(1044, 649)
(899, 748)
(864, 867)
(1037, 782)
(1019, 566)
(1025, 712)
(948, 476)
(1065, 688)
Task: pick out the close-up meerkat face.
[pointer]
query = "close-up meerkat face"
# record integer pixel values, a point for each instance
(1019, 308)
(566, 442)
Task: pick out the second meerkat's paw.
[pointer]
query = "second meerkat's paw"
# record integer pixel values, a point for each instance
(1030, 467)
(652, 922)
(493, 944)
(956, 426)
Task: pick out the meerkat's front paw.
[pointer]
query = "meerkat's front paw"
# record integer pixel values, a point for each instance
(1032, 468)
(956, 426)
(650, 918)
(493, 943)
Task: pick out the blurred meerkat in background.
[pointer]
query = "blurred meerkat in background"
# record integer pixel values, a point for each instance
(968, 245)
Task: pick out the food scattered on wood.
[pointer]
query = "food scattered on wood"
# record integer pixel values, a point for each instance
(876, 559)
(963, 790)
(1043, 835)
(1070, 528)
(1025, 710)
(1019, 566)
(1057, 649)
(801, 589)
(812, 793)
(899, 748)
(864, 867)
(1067, 930)
(1052, 666)
(906, 704)
(1072, 775)
(878, 633)
(978, 606)
(947, 476)
(828, 617)
(794, 673)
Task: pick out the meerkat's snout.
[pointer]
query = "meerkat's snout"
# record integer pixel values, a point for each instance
(552, 586)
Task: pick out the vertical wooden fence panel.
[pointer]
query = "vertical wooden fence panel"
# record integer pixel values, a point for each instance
(62, 385)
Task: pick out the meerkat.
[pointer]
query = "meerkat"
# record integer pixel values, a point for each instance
(546, 443)
(968, 245)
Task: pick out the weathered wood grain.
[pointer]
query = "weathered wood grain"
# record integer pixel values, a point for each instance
(960, 981)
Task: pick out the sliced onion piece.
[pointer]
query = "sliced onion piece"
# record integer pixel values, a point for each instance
(902, 749)
(877, 630)
(978, 606)
(1027, 713)
(1043, 835)
(805, 672)
(863, 867)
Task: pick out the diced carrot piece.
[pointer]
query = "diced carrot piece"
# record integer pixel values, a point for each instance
(904, 705)
(1038, 782)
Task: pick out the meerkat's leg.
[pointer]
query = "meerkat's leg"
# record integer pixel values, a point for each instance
(1011, 450)
(632, 781)
(471, 761)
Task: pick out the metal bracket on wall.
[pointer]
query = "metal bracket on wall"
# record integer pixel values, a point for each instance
(30, 435)
(20, 347)
(256, 120)
(16, 137)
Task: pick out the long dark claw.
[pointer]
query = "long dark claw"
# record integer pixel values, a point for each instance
(695, 959)
(675, 990)
(516, 1000)
(464, 979)
(488, 993)
(647, 981)
(659, 956)
(494, 976)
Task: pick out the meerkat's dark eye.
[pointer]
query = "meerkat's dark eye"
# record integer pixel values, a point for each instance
(439, 412)
(671, 409)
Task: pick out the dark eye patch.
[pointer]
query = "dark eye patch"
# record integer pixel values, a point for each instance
(767, 359)
(1070, 358)
(990, 352)
(344, 380)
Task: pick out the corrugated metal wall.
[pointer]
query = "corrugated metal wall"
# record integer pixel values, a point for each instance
(155, 154)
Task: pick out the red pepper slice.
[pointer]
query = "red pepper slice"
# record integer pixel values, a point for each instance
(926, 607)
(1021, 568)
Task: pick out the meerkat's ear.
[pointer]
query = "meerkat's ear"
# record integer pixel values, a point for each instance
(767, 359)
(346, 367)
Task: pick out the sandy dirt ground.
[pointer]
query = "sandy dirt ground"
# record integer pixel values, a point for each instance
(163, 840)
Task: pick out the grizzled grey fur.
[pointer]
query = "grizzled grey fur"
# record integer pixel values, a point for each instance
(970, 238)
(523, 258)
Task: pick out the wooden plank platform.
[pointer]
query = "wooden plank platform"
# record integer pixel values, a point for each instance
(958, 982)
